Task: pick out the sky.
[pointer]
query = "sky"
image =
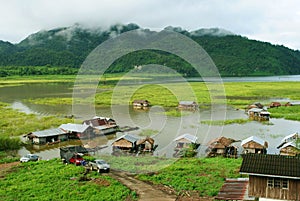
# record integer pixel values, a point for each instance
(274, 21)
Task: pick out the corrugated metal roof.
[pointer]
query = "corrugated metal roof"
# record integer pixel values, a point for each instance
(128, 137)
(292, 136)
(48, 132)
(271, 165)
(74, 127)
(186, 102)
(289, 144)
(254, 139)
(189, 137)
(234, 189)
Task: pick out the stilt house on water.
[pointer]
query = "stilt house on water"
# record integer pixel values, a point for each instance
(78, 130)
(255, 145)
(47, 136)
(272, 176)
(102, 125)
(189, 105)
(259, 114)
(141, 104)
(222, 146)
(133, 144)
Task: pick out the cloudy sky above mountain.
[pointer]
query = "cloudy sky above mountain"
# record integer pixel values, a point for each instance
(274, 21)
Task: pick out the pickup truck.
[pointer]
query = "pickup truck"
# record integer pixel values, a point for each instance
(99, 165)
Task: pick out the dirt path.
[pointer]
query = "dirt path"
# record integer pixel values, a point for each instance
(145, 191)
(5, 167)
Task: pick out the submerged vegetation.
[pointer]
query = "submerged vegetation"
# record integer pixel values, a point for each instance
(15, 123)
(225, 122)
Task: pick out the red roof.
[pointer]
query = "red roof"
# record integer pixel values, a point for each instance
(234, 189)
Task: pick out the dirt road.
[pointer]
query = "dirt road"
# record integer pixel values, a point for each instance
(145, 191)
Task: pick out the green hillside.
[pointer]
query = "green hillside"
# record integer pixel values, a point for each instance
(62, 51)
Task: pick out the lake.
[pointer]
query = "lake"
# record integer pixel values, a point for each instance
(166, 127)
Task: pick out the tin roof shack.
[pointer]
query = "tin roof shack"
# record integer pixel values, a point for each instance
(78, 130)
(254, 145)
(259, 114)
(222, 146)
(49, 136)
(102, 125)
(186, 145)
(127, 143)
(234, 189)
(141, 104)
(187, 105)
(272, 176)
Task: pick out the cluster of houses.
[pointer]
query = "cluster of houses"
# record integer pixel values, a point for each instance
(88, 129)
(145, 104)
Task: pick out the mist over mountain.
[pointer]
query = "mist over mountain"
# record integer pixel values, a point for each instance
(67, 47)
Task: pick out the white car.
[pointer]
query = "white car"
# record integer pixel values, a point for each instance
(29, 157)
(99, 165)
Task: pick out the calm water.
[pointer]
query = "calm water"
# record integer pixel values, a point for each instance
(167, 127)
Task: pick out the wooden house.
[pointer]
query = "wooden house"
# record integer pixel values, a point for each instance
(184, 142)
(140, 103)
(255, 145)
(100, 121)
(47, 136)
(259, 114)
(274, 104)
(272, 176)
(102, 125)
(289, 149)
(190, 105)
(78, 130)
(234, 189)
(221, 146)
(126, 142)
(146, 144)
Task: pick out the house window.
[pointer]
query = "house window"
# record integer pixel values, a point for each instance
(277, 183)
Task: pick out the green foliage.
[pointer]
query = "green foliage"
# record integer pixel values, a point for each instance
(15, 123)
(52, 180)
(63, 49)
(7, 143)
(225, 122)
(289, 112)
(204, 175)
(9, 156)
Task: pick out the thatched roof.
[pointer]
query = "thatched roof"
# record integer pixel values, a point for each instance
(147, 139)
(222, 141)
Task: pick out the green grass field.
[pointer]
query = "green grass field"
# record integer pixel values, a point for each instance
(52, 180)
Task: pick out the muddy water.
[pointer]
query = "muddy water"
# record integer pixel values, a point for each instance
(167, 127)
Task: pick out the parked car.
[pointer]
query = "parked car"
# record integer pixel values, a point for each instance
(29, 157)
(77, 160)
(99, 165)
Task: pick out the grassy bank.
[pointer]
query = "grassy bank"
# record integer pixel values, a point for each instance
(52, 180)
(202, 175)
(15, 123)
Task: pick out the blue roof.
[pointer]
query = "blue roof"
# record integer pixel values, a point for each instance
(187, 136)
(128, 137)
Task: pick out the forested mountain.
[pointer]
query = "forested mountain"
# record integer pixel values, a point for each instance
(62, 51)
